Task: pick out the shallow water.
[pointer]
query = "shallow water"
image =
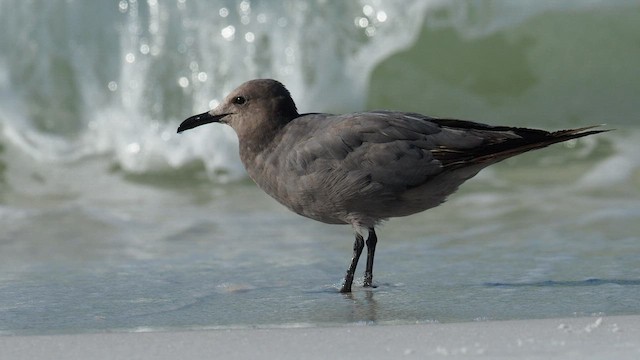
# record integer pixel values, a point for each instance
(112, 222)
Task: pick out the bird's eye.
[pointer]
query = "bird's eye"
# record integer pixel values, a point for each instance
(239, 100)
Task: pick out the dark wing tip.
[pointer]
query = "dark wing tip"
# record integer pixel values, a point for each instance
(527, 140)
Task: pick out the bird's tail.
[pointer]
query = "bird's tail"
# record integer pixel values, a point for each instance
(532, 140)
(503, 142)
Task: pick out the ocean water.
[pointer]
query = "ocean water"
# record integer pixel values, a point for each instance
(110, 221)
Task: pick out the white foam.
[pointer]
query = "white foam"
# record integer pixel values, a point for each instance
(618, 168)
(179, 56)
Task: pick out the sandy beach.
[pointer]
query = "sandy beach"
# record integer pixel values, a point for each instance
(614, 337)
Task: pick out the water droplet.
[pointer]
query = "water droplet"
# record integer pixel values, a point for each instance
(249, 37)
(245, 6)
(166, 135)
(370, 31)
(290, 54)
(228, 32)
(362, 22)
(130, 58)
(223, 12)
(123, 6)
(112, 86)
(381, 16)
(133, 148)
(183, 82)
(367, 10)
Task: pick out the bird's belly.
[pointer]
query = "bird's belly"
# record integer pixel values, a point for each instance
(312, 203)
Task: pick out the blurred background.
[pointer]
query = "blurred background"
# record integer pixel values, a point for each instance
(109, 220)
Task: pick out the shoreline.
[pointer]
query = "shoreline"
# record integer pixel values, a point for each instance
(603, 337)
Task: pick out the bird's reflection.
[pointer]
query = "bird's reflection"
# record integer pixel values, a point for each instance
(364, 308)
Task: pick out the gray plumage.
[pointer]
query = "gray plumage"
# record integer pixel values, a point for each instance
(361, 168)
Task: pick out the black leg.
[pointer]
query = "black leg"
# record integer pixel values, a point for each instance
(358, 245)
(372, 240)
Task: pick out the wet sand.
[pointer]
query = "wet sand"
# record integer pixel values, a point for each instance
(599, 337)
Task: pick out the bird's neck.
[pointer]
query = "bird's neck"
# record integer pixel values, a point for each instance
(257, 156)
(258, 141)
